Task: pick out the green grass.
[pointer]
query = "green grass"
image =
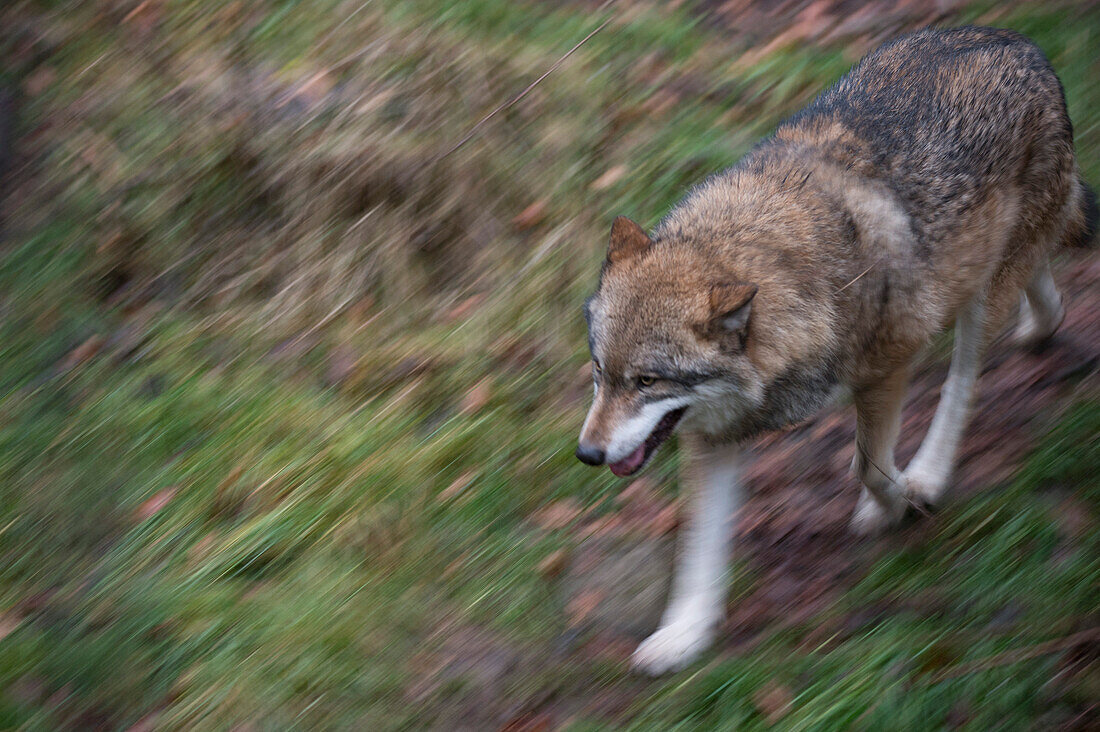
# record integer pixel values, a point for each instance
(305, 566)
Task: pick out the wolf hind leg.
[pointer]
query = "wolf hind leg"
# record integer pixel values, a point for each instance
(878, 420)
(1041, 308)
(927, 475)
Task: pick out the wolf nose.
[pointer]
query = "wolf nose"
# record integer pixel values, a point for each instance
(590, 455)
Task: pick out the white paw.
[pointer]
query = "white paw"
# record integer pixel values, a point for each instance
(871, 517)
(921, 489)
(1027, 328)
(1032, 328)
(672, 647)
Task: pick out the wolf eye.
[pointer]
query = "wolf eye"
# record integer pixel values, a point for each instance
(647, 380)
(596, 365)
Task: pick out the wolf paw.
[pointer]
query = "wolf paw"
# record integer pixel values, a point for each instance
(671, 648)
(1035, 330)
(871, 517)
(923, 493)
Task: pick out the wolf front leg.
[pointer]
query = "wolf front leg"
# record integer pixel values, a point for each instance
(878, 420)
(712, 477)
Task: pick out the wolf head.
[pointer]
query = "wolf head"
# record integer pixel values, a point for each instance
(670, 334)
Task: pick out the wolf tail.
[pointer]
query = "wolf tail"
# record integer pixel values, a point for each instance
(1082, 229)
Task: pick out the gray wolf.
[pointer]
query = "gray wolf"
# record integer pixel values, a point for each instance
(927, 188)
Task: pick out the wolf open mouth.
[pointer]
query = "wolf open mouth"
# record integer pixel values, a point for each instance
(633, 462)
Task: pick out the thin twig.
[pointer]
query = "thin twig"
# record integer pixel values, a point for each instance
(842, 289)
(341, 24)
(1018, 654)
(523, 93)
(913, 503)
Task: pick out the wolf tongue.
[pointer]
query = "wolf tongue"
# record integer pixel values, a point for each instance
(630, 463)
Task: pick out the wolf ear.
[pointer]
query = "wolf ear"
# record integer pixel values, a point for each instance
(730, 306)
(627, 240)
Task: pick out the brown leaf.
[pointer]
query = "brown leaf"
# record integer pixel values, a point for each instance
(406, 369)
(639, 490)
(144, 17)
(230, 480)
(1073, 518)
(661, 102)
(362, 310)
(557, 515)
(531, 216)
(773, 701)
(29, 690)
(39, 81)
(229, 500)
(609, 178)
(152, 506)
(465, 308)
(8, 623)
(665, 521)
(553, 564)
(84, 351)
(200, 548)
(342, 361)
(451, 569)
(457, 486)
(148, 723)
(316, 88)
(530, 722)
(476, 399)
(583, 604)
(938, 656)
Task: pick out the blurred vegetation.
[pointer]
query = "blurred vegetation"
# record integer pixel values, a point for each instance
(282, 382)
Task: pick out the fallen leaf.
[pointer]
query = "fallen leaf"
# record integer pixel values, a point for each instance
(558, 514)
(8, 623)
(152, 506)
(773, 701)
(148, 723)
(29, 690)
(145, 17)
(316, 88)
(457, 486)
(199, 550)
(583, 604)
(553, 564)
(464, 308)
(609, 178)
(342, 362)
(452, 568)
(476, 399)
(84, 351)
(665, 521)
(529, 722)
(406, 369)
(661, 102)
(1072, 518)
(230, 480)
(39, 81)
(641, 489)
(530, 216)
